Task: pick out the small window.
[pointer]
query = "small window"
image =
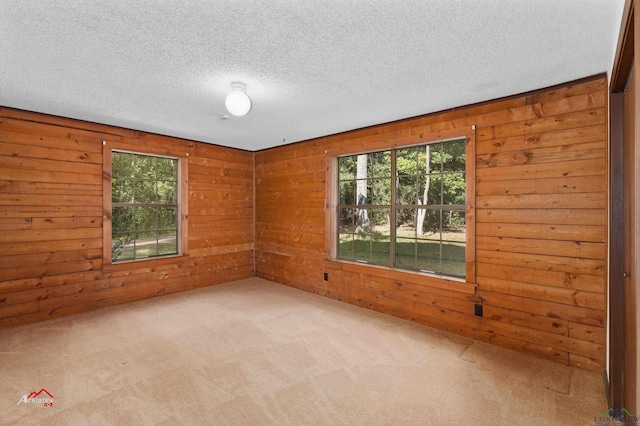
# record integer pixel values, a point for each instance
(145, 208)
(404, 208)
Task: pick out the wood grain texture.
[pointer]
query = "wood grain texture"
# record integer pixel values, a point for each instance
(53, 207)
(540, 168)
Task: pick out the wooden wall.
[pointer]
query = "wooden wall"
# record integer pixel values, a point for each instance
(51, 219)
(541, 214)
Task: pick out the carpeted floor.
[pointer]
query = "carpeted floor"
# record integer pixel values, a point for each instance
(257, 353)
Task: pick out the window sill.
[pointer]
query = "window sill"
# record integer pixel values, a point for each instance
(431, 280)
(143, 263)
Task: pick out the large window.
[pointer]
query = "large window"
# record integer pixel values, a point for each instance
(145, 208)
(404, 208)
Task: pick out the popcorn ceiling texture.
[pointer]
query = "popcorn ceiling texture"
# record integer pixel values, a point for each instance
(312, 68)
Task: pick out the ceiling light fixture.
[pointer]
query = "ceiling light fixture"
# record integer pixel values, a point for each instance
(237, 101)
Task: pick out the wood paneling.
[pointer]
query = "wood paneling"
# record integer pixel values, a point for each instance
(51, 216)
(540, 210)
(538, 248)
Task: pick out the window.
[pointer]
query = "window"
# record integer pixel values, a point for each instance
(404, 208)
(145, 208)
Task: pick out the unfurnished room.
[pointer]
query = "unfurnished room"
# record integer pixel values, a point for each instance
(420, 212)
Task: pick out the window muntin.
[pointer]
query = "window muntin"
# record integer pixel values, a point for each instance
(145, 208)
(421, 190)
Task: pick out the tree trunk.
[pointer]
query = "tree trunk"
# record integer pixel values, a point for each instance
(422, 213)
(362, 215)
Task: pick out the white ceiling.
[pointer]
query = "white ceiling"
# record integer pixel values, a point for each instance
(312, 68)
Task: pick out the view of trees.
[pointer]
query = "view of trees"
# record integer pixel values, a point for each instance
(428, 207)
(144, 206)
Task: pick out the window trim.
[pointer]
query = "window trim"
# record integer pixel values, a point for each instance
(183, 197)
(384, 142)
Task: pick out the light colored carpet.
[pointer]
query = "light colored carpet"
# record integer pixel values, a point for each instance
(253, 352)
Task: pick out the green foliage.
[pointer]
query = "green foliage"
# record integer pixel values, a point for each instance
(144, 212)
(438, 167)
(119, 243)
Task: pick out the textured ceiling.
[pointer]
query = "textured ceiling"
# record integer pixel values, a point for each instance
(312, 68)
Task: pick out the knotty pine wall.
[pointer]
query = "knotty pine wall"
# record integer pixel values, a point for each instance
(51, 219)
(541, 214)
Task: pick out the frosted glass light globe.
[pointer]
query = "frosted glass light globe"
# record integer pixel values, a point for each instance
(237, 101)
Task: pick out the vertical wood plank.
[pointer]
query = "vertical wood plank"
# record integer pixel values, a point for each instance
(106, 203)
(471, 207)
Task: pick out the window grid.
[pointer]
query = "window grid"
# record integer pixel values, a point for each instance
(348, 234)
(146, 223)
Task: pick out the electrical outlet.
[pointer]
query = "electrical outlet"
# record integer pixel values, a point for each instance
(478, 309)
(326, 276)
